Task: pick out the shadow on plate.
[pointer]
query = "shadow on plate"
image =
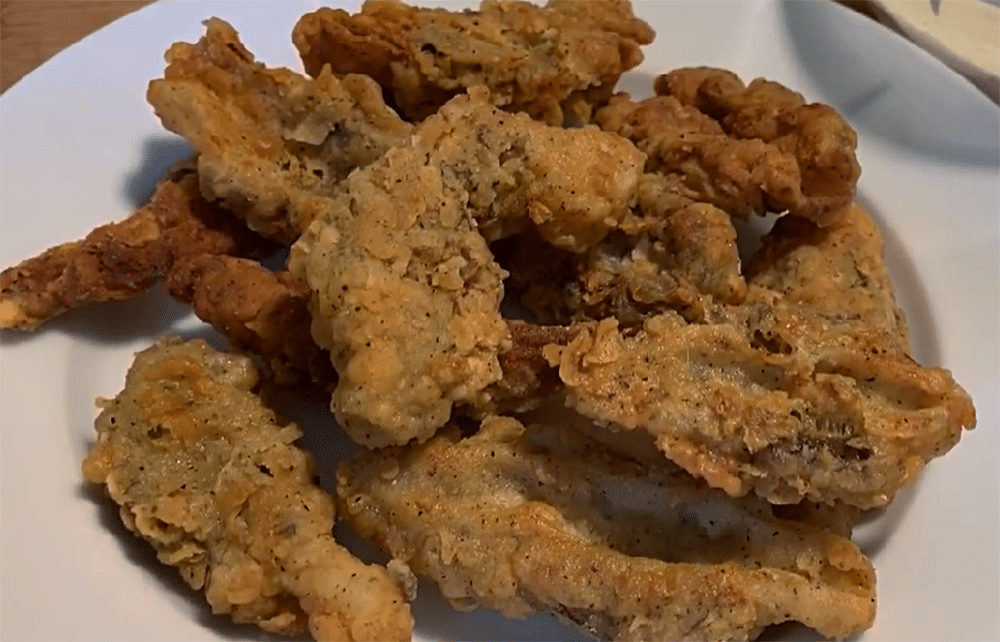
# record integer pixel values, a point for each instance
(878, 525)
(791, 631)
(889, 92)
(638, 84)
(109, 323)
(158, 154)
(322, 437)
(437, 620)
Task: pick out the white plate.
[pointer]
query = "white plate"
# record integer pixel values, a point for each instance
(81, 147)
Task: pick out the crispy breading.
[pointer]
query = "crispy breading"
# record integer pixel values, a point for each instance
(740, 176)
(258, 311)
(406, 292)
(673, 254)
(554, 62)
(821, 141)
(694, 242)
(781, 396)
(270, 140)
(527, 375)
(211, 478)
(406, 299)
(839, 276)
(267, 314)
(124, 259)
(542, 519)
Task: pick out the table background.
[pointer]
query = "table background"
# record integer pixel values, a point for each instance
(32, 31)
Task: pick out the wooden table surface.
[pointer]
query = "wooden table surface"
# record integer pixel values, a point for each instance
(32, 31)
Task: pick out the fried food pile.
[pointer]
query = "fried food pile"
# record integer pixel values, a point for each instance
(553, 62)
(676, 442)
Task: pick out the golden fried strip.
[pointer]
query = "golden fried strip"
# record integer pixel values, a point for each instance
(258, 311)
(121, 260)
(269, 139)
(541, 519)
(211, 478)
(821, 141)
(838, 275)
(554, 62)
(781, 396)
(267, 313)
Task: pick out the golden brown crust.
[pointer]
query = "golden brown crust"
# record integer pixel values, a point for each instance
(123, 259)
(815, 135)
(269, 139)
(809, 393)
(542, 519)
(672, 254)
(740, 176)
(555, 62)
(211, 478)
(406, 292)
(838, 276)
(267, 314)
(258, 311)
(364, 43)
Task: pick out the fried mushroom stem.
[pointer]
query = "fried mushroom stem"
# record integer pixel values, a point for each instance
(122, 260)
(269, 138)
(740, 176)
